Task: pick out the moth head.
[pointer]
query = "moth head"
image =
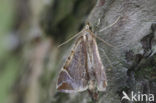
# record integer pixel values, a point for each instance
(88, 26)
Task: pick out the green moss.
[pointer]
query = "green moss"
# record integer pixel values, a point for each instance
(147, 68)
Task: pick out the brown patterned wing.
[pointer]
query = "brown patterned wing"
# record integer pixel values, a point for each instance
(73, 77)
(99, 68)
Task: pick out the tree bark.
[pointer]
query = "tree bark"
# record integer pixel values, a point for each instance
(133, 55)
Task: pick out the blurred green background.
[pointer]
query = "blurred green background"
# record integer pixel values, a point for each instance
(8, 64)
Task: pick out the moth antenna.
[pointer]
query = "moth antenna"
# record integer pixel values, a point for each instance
(107, 58)
(104, 41)
(110, 25)
(69, 40)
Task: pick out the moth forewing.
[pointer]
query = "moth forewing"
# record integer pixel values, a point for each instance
(96, 63)
(73, 76)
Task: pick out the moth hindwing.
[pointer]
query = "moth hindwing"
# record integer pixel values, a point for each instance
(83, 68)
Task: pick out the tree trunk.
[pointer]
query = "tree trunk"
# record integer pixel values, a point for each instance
(133, 55)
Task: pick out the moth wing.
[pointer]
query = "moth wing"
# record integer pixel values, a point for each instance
(99, 68)
(73, 77)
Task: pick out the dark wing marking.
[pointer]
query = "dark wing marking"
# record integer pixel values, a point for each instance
(73, 77)
(99, 68)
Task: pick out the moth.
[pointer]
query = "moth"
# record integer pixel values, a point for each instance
(83, 69)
